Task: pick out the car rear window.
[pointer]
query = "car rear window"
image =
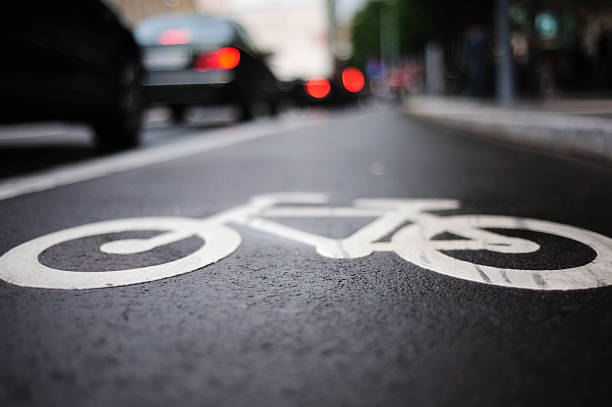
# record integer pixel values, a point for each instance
(199, 29)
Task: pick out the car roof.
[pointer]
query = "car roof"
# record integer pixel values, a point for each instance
(183, 17)
(204, 28)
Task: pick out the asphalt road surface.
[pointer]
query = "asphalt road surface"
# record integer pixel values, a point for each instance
(277, 323)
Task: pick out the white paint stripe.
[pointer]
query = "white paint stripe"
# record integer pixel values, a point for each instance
(13, 132)
(72, 173)
(320, 212)
(332, 247)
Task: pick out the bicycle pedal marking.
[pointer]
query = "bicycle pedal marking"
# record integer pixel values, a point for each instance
(415, 243)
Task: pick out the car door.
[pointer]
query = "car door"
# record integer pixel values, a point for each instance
(54, 59)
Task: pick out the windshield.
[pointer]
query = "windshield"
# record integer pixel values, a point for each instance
(192, 28)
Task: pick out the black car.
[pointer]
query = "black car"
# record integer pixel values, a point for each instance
(193, 59)
(71, 60)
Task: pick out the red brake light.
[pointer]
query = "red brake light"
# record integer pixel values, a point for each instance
(353, 79)
(175, 36)
(228, 58)
(225, 58)
(318, 88)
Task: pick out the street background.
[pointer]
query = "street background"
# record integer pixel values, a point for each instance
(504, 106)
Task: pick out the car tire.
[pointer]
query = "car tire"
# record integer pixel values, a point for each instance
(177, 113)
(119, 126)
(246, 112)
(273, 108)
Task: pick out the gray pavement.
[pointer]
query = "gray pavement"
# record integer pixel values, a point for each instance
(275, 323)
(575, 128)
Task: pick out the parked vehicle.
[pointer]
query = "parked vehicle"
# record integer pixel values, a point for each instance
(194, 59)
(307, 51)
(74, 61)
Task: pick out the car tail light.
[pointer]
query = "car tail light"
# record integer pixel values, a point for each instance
(352, 79)
(318, 88)
(225, 58)
(175, 36)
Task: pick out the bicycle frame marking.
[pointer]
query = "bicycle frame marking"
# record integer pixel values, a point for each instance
(413, 243)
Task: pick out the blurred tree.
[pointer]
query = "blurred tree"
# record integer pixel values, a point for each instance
(417, 21)
(365, 34)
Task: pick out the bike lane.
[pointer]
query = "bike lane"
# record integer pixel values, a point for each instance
(275, 323)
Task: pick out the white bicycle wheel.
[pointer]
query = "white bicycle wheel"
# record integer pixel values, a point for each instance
(21, 266)
(413, 243)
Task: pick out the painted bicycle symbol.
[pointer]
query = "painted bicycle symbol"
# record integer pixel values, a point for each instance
(412, 227)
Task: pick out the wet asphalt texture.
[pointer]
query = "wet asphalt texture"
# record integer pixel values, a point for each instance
(276, 324)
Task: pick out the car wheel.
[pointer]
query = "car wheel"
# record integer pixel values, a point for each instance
(246, 111)
(178, 113)
(119, 126)
(273, 108)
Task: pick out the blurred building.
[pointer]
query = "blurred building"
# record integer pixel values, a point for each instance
(562, 46)
(135, 10)
(559, 48)
(298, 33)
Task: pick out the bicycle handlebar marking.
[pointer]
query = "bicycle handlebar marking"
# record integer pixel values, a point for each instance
(414, 243)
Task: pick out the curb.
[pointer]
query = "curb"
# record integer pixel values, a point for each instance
(574, 137)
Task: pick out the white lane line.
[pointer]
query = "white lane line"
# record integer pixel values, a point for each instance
(99, 167)
(14, 132)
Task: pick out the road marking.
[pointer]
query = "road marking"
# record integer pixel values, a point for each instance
(414, 243)
(19, 266)
(99, 167)
(14, 132)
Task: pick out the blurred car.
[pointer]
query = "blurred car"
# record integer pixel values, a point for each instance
(343, 87)
(72, 60)
(193, 59)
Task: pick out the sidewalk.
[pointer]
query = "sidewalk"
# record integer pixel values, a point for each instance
(579, 129)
